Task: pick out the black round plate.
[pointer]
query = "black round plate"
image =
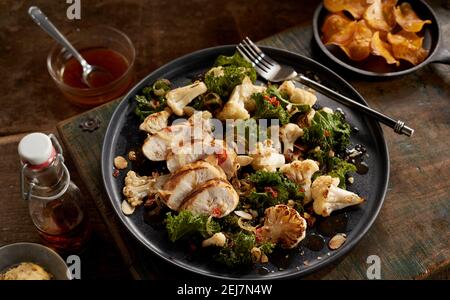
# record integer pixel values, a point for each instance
(122, 135)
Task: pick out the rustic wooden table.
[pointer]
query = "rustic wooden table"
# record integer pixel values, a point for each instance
(412, 232)
(160, 32)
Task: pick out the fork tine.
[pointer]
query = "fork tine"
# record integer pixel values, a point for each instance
(261, 72)
(246, 54)
(250, 56)
(259, 56)
(260, 52)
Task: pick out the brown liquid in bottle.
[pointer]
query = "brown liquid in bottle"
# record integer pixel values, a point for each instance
(70, 225)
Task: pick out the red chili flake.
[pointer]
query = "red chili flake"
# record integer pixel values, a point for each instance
(258, 236)
(216, 212)
(301, 190)
(272, 100)
(327, 133)
(222, 156)
(271, 191)
(115, 173)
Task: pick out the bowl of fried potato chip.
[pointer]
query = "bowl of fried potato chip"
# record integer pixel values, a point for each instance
(379, 38)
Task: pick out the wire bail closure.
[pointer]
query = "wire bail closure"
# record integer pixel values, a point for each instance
(27, 195)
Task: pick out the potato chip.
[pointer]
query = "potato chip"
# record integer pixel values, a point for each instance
(337, 29)
(380, 15)
(381, 48)
(408, 19)
(359, 46)
(403, 35)
(355, 7)
(407, 46)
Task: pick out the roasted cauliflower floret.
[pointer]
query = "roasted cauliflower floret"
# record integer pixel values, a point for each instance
(156, 121)
(328, 197)
(297, 95)
(265, 157)
(289, 134)
(217, 240)
(178, 98)
(240, 100)
(283, 225)
(301, 172)
(137, 188)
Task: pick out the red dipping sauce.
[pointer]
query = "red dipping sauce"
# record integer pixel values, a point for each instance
(111, 84)
(103, 46)
(108, 59)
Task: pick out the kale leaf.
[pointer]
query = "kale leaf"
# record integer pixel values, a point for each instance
(333, 166)
(339, 168)
(328, 131)
(235, 60)
(152, 99)
(238, 252)
(185, 223)
(230, 73)
(267, 247)
(272, 188)
(269, 107)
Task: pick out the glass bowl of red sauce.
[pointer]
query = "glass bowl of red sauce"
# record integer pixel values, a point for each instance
(102, 46)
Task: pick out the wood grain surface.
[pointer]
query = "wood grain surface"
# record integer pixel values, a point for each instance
(411, 234)
(160, 31)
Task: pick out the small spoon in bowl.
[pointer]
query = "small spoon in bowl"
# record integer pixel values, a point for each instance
(93, 76)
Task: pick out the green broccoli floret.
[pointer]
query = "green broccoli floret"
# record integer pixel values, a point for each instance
(228, 72)
(185, 223)
(328, 131)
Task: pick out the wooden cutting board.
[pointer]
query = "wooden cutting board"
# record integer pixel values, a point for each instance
(411, 235)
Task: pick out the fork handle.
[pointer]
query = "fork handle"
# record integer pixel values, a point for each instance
(398, 126)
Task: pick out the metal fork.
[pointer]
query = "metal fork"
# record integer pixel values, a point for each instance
(272, 71)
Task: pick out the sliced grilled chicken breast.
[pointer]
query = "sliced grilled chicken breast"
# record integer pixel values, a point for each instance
(226, 158)
(188, 153)
(216, 198)
(187, 179)
(157, 146)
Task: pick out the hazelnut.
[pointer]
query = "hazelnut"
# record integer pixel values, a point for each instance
(337, 241)
(127, 209)
(132, 155)
(120, 162)
(256, 254)
(264, 259)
